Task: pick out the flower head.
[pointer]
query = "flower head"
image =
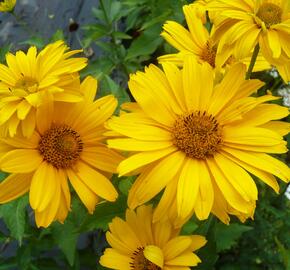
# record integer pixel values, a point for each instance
(198, 42)
(7, 5)
(139, 244)
(197, 141)
(66, 144)
(244, 24)
(30, 80)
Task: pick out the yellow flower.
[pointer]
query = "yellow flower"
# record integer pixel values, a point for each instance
(244, 24)
(197, 41)
(198, 140)
(67, 144)
(29, 80)
(7, 5)
(138, 243)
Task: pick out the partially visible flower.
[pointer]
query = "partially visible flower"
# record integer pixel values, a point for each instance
(7, 5)
(198, 42)
(139, 244)
(68, 143)
(246, 23)
(31, 80)
(198, 141)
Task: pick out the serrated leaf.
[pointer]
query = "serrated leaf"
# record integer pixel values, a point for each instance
(65, 236)
(14, 214)
(227, 235)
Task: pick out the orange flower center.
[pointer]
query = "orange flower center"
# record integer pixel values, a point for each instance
(270, 14)
(27, 84)
(139, 262)
(60, 146)
(197, 134)
(208, 54)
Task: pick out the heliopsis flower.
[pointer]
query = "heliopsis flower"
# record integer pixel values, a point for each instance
(197, 41)
(66, 144)
(199, 141)
(7, 5)
(31, 79)
(138, 243)
(244, 24)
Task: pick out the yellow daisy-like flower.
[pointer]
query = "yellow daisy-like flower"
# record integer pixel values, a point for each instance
(139, 244)
(31, 79)
(246, 23)
(197, 41)
(67, 144)
(198, 140)
(7, 5)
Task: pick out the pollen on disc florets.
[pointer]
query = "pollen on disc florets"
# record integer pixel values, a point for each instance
(270, 14)
(139, 262)
(208, 54)
(60, 146)
(197, 134)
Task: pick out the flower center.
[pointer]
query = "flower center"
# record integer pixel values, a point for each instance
(197, 134)
(270, 14)
(60, 146)
(208, 53)
(28, 84)
(140, 262)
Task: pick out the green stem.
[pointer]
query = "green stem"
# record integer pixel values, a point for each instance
(253, 61)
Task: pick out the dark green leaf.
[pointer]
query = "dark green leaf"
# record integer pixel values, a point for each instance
(227, 235)
(14, 214)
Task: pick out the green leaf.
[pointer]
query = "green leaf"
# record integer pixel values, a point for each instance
(228, 235)
(3, 51)
(116, 90)
(104, 214)
(125, 184)
(3, 175)
(34, 41)
(13, 214)
(66, 236)
(156, 20)
(121, 35)
(24, 257)
(189, 227)
(146, 43)
(58, 35)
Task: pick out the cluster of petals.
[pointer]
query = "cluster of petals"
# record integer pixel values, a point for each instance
(244, 24)
(30, 80)
(139, 243)
(61, 137)
(197, 141)
(7, 5)
(202, 44)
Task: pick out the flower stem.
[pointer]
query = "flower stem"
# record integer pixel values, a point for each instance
(253, 61)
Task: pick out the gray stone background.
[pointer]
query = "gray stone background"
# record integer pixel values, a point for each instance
(43, 18)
